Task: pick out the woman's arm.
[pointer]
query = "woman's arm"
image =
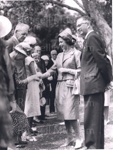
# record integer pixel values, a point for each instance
(30, 78)
(33, 74)
(32, 68)
(75, 72)
(47, 74)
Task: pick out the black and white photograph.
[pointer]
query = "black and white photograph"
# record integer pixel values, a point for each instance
(56, 75)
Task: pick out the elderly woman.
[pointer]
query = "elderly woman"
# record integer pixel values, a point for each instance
(20, 122)
(67, 103)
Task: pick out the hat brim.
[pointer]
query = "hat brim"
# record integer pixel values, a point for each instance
(5, 26)
(74, 37)
(20, 51)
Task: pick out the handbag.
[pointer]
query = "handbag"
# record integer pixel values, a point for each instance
(42, 101)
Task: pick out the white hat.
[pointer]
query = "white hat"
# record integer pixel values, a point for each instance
(74, 37)
(5, 26)
(23, 48)
(30, 40)
(45, 57)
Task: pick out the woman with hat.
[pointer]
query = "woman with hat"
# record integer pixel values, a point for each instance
(20, 121)
(6, 87)
(67, 103)
(32, 102)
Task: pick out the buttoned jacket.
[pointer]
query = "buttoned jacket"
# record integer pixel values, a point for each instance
(92, 63)
(71, 61)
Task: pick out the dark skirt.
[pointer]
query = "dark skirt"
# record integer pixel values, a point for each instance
(20, 96)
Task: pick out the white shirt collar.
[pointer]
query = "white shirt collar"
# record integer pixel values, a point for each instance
(88, 33)
(53, 60)
(15, 38)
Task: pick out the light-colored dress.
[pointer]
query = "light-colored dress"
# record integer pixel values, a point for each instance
(67, 103)
(32, 102)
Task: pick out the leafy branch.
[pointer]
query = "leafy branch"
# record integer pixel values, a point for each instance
(66, 6)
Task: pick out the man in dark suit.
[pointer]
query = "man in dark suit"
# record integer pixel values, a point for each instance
(20, 33)
(53, 82)
(93, 84)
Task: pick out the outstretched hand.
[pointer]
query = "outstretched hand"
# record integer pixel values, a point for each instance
(39, 75)
(62, 70)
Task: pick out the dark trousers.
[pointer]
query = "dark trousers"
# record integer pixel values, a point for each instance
(94, 121)
(42, 117)
(1, 148)
(20, 97)
(51, 102)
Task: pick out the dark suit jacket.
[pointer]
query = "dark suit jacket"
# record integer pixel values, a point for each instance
(11, 43)
(6, 77)
(92, 64)
(42, 67)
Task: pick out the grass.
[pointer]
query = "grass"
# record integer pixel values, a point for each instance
(52, 135)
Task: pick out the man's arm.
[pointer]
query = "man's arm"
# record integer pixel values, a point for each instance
(98, 51)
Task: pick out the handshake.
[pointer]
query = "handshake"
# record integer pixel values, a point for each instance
(36, 77)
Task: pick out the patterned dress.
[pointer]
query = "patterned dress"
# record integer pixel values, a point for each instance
(20, 122)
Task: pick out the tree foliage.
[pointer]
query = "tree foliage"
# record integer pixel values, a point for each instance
(45, 20)
(47, 17)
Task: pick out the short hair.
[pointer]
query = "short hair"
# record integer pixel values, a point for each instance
(37, 46)
(85, 18)
(53, 52)
(21, 27)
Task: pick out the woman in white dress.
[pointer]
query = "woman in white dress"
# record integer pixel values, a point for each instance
(32, 102)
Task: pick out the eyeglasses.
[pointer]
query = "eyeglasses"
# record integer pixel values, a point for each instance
(81, 24)
(53, 54)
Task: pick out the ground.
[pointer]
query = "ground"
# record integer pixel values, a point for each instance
(51, 135)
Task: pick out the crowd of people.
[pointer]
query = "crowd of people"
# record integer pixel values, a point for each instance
(29, 81)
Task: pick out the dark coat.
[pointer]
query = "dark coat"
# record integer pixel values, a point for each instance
(42, 67)
(11, 43)
(93, 62)
(6, 80)
(6, 95)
